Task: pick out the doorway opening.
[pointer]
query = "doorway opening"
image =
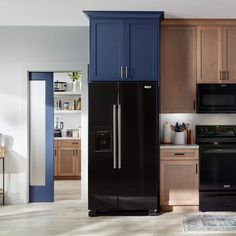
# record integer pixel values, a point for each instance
(67, 135)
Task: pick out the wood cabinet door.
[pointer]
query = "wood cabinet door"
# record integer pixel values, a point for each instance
(66, 161)
(78, 162)
(179, 183)
(178, 69)
(209, 54)
(55, 162)
(229, 53)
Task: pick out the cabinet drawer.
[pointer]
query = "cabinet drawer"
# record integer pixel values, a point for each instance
(69, 143)
(173, 154)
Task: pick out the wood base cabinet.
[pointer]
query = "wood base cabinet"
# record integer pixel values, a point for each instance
(179, 178)
(67, 162)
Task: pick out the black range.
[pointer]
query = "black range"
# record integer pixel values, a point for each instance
(217, 147)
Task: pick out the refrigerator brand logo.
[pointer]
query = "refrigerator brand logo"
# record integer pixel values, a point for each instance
(226, 186)
(147, 87)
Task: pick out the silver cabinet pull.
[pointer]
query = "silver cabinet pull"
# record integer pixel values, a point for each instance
(126, 72)
(114, 136)
(119, 136)
(121, 72)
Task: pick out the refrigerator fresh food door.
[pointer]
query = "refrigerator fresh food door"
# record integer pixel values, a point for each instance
(138, 145)
(102, 146)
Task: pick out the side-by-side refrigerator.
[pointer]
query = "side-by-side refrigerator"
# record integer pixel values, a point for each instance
(123, 147)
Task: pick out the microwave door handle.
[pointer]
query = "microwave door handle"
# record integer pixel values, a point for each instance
(219, 151)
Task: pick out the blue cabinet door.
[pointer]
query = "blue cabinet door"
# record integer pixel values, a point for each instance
(106, 49)
(141, 49)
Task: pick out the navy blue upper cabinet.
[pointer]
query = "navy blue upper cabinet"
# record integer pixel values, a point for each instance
(124, 46)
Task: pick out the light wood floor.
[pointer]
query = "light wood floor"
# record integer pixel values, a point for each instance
(68, 216)
(67, 190)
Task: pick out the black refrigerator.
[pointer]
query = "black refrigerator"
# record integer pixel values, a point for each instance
(123, 147)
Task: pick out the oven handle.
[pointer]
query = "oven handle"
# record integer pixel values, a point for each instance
(218, 151)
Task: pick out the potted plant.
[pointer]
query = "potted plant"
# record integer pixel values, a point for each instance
(76, 77)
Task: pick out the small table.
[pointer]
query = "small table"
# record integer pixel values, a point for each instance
(2, 157)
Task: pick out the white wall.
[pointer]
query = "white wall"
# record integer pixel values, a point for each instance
(24, 48)
(196, 119)
(69, 12)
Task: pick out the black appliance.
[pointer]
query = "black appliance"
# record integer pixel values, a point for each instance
(217, 157)
(123, 148)
(216, 98)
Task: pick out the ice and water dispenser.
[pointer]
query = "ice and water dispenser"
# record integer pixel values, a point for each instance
(103, 139)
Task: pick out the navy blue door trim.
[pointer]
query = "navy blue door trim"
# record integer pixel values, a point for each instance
(46, 193)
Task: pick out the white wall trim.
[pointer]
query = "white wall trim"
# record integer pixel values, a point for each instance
(25, 69)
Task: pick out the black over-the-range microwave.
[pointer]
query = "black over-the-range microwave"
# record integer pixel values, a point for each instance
(216, 98)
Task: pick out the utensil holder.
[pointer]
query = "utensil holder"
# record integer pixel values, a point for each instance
(179, 138)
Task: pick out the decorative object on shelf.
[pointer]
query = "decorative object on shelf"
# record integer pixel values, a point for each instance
(69, 133)
(167, 133)
(76, 77)
(60, 86)
(179, 132)
(78, 104)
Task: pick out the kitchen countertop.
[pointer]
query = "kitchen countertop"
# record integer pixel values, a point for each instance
(66, 138)
(173, 146)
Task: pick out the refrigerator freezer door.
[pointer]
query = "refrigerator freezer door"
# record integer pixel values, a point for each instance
(139, 150)
(102, 172)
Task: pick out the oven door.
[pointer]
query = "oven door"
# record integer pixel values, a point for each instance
(216, 98)
(218, 168)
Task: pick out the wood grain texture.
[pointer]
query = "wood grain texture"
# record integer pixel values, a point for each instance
(69, 143)
(209, 54)
(178, 69)
(179, 154)
(78, 162)
(229, 53)
(66, 161)
(198, 22)
(179, 183)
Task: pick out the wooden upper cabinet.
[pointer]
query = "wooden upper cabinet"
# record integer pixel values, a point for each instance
(178, 69)
(209, 54)
(229, 53)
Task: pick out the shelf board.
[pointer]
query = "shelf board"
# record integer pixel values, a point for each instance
(66, 93)
(67, 111)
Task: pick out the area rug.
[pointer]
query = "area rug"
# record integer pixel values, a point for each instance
(209, 223)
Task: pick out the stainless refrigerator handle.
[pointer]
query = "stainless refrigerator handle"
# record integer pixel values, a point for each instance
(119, 136)
(114, 136)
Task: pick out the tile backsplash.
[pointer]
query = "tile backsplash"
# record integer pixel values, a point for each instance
(196, 119)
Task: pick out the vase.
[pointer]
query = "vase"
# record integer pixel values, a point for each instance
(76, 86)
(179, 138)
